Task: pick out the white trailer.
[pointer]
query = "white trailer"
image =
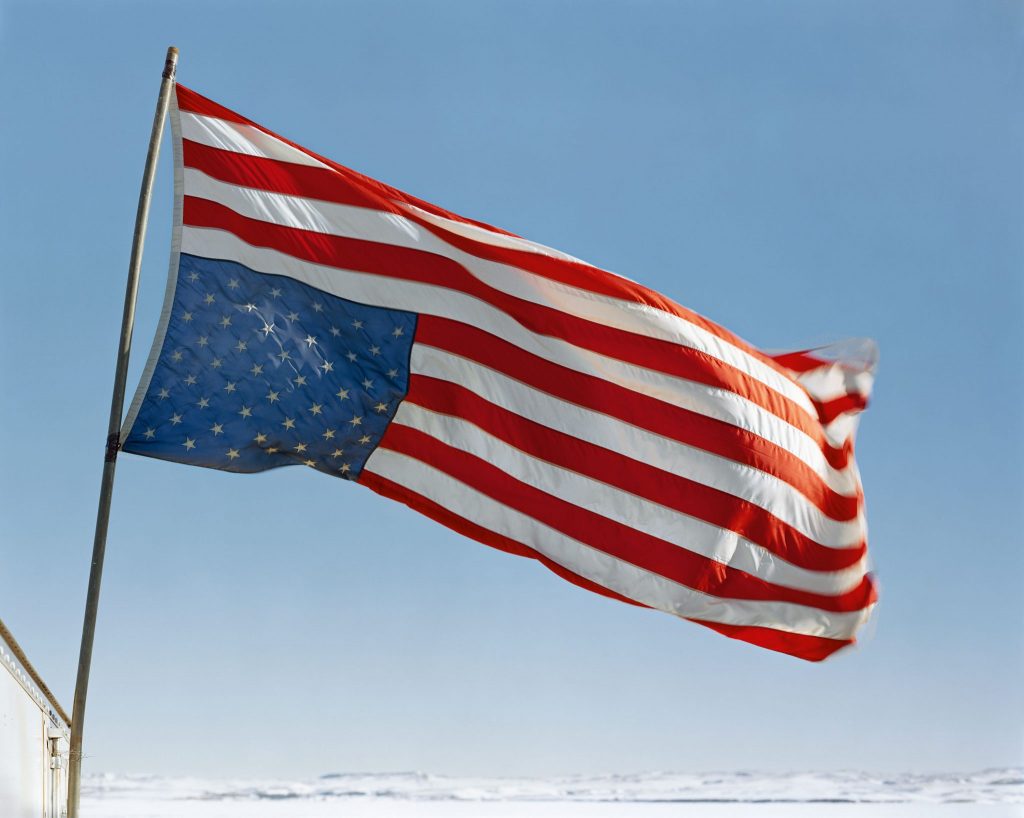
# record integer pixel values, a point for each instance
(34, 740)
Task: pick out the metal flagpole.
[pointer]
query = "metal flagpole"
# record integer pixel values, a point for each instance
(114, 434)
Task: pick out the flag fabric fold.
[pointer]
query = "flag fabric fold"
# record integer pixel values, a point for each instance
(518, 395)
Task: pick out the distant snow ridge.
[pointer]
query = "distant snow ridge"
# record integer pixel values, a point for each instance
(999, 786)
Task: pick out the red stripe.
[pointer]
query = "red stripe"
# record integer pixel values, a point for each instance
(439, 514)
(692, 428)
(189, 100)
(850, 402)
(615, 539)
(281, 177)
(689, 497)
(429, 268)
(802, 361)
(574, 273)
(811, 648)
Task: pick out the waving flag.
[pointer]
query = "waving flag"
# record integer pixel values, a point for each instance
(518, 395)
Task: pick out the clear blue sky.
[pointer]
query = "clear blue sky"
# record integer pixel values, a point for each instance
(798, 171)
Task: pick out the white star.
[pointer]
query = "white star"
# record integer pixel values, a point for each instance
(193, 276)
(190, 380)
(149, 433)
(367, 384)
(233, 283)
(351, 356)
(203, 403)
(270, 449)
(175, 419)
(186, 317)
(364, 439)
(209, 298)
(317, 306)
(217, 429)
(328, 435)
(162, 394)
(273, 396)
(257, 369)
(225, 322)
(335, 332)
(309, 462)
(342, 393)
(189, 444)
(381, 407)
(216, 363)
(315, 408)
(245, 412)
(250, 307)
(203, 340)
(375, 351)
(232, 454)
(284, 355)
(300, 380)
(345, 468)
(176, 356)
(267, 329)
(392, 373)
(276, 292)
(356, 421)
(398, 332)
(260, 438)
(292, 316)
(300, 448)
(327, 366)
(288, 423)
(337, 453)
(230, 387)
(357, 324)
(241, 346)
(310, 340)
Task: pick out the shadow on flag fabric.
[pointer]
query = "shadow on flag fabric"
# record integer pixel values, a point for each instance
(317, 317)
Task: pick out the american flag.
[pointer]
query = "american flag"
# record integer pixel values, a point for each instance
(518, 395)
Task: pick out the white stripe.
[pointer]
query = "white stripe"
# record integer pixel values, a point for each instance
(842, 429)
(238, 138)
(485, 236)
(415, 297)
(373, 225)
(632, 510)
(763, 490)
(624, 578)
(354, 222)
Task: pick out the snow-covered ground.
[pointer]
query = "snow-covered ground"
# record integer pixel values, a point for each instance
(987, 794)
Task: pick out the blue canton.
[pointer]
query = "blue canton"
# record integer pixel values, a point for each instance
(258, 371)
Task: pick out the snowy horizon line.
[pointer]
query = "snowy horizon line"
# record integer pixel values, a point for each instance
(998, 785)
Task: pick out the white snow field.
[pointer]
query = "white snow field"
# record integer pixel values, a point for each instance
(987, 794)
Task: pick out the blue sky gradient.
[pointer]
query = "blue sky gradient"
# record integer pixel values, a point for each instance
(797, 171)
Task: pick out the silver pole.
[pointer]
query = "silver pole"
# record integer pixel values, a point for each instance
(113, 435)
